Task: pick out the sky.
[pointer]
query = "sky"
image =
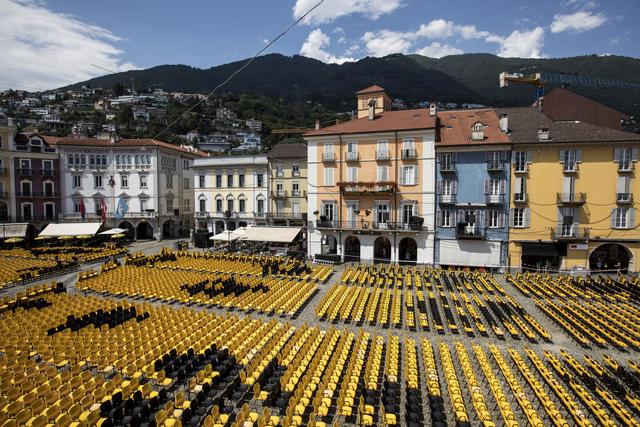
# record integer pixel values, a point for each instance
(50, 43)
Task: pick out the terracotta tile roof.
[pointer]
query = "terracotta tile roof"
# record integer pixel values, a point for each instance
(370, 89)
(388, 121)
(285, 151)
(524, 123)
(95, 142)
(455, 127)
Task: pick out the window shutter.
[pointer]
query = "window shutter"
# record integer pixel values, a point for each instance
(439, 187)
(480, 218)
(634, 154)
(621, 186)
(439, 218)
(631, 219)
(454, 187)
(439, 158)
(504, 155)
(460, 216)
(563, 155)
(415, 175)
(513, 157)
(511, 217)
(517, 188)
(527, 217)
(503, 185)
(487, 155)
(402, 175)
(613, 217)
(501, 219)
(452, 218)
(486, 186)
(578, 156)
(529, 156)
(617, 155)
(486, 219)
(454, 157)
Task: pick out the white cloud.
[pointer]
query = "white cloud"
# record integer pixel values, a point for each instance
(438, 50)
(577, 22)
(614, 41)
(520, 44)
(386, 42)
(45, 49)
(330, 10)
(338, 30)
(437, 29)
(314, 47)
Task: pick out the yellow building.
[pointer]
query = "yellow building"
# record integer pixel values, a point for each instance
(372, 185)
(7, 133)
(288, 184)
(574, 192)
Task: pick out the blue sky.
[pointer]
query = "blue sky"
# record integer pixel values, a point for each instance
(48, 43)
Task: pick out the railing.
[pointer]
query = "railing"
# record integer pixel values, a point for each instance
(369, 188)
(625, 166)
(448, 167)
(371, 225)
(469, 231)
(5, 218)
(520, 197)
(37, 194)
(570, 167)
(569, 231)
(279, 174)
(279, 194)
(495, 166)
(524, 169)
(295, 173)
(571, 198)
(409, 154)
(352, 156)
(624, 198)
(298, 193)
(25, 172)
(328, 157)
(47, 172)
(382, 155)
(202, 214)
(495, 199)
(447, 199)
(284, 215)
(260, 215)
(4, 194)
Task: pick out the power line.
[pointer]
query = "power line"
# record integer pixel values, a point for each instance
(232, 75)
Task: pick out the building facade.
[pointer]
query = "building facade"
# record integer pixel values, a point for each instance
(371, 185)
(288, 184)
(573, 194)
(150, 179)
(472, 186)
(7, 133)
(231, 192)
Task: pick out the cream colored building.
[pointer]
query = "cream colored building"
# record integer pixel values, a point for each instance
(230, 192)
(288, 184)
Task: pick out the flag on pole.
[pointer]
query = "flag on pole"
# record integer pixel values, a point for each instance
(103, 210)
(122, 209)
(83, 210)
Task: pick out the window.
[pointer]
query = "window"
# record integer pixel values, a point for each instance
(409, 175)
(295, 189)
(520, 160)
(328, 152)
(77, 181)
(230, 179)
(382, 173)
(279, 170)
(352, 174)
(187, 204)
(26, 188)
(143, 205)
(260, 180)
(242, 205)
(241, 179)
(446, 218)
(218, 180)
(49, 210)
(519, 217)
(279, 190)
(218, 204)
(92, 161)
(382, 149)
(185, 164)
(493, 187)
(200, 181)
(230, 205)
(570, 159)
(27, 211)
(328, 210)
(295, 169)
(47, 165)
(203, 205)
(352, 147)
(382, 214)
(143, 181)
(169, 182)
(124, 181)
(520, 189)
(625, 158)
(623, 218)
(260, 206)
(408, 148)
(25, 163)
(448, 187)
(447, 161)
(97, 181)
(169, 205)
(76, 205)
(328, 176)
(186, 182)
(408, 210)
(493, 219)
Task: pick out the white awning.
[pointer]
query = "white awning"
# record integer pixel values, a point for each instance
(230, 236)
(13, 230)
(271, 234)
(71, 229)
(114, 231)
(470, 253)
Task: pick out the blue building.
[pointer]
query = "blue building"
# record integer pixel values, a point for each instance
(472, 187)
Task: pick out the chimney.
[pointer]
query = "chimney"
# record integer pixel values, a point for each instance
(504, 123)
(113, 138)
(372, 109)
(432, 109)
(543, 134)
(317, 124)
(540, 103)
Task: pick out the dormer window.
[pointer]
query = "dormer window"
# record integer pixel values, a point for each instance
(543, 134)
(35, 142)
(477, 132)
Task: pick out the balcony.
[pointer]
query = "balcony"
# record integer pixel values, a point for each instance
(409, 154)
(47, 172)
(572, 199)
(285, 215)
(279, 194)
(625, 166)
(495, 166)
(4, 194)
(202, 214)
(570, 167)
(25, 172)
(624, 198)
(328, 157)
(447, 199)
(382, 155)
(449, 167)
(521, 169)
(352, 156)
(570, 232)
(520, 198)
(260, 215)
(495, 199)
(469, 231)
(367, 187)
(295, 173)
(5, 218)
(298, 193)
(31, 194)
(371, 226)
(279, 174)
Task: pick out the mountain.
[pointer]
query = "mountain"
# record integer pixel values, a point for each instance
(469, 78)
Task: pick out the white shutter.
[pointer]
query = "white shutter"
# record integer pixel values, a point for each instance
(454, 187)
(402, 175)
(501, 219)
(631, 218)
(511, 217)
(622, 185)
(617, 155)
(487, 184)
(562, 155)
(527, 217)
(529, 156)
(578, 156)
(518, 186)
(503, 186)
(634, 154)
(439, 218)
(614, 211)
(514, 155)
(452, 218)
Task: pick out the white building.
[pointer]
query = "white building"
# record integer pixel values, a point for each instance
(254, 125)
(152, 178)
(231, 192)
